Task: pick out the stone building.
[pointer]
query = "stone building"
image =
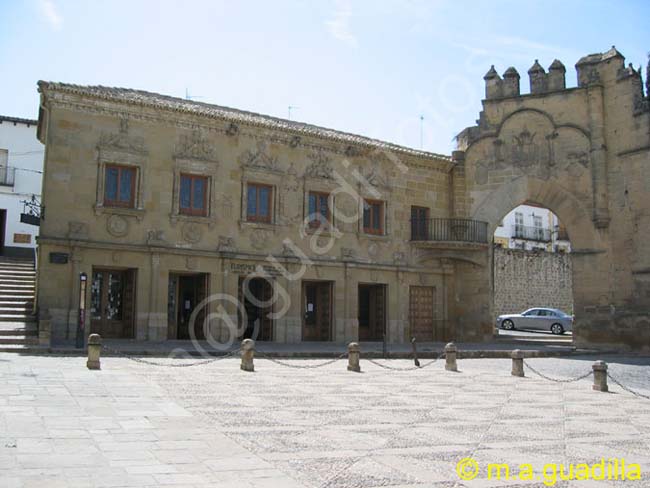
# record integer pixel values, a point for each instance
(164, 202)
(21, 164)
(583, 153)
(530, 227)
(315, 234)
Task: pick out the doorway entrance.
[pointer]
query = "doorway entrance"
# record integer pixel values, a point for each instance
(317, 311)
(186, 291)
(112, 303)
(256, 295)
(421, 313)
(3, 230)
(372, 312)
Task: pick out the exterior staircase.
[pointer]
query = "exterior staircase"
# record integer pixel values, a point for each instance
(18, 326)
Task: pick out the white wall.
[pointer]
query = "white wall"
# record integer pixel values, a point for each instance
(25, 153)
(549, 221)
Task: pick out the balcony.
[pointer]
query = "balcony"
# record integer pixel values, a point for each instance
(449, 233)
(528, 233)
(7, 175)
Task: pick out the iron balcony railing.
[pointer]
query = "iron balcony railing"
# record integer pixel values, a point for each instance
(460, 230)
(7, 175)
(529, 233)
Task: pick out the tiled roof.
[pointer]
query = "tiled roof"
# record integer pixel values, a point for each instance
(17, 120)
(144, 98)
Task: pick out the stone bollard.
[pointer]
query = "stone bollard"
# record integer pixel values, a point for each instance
(354, 353)
(600, 376)
(94, 351)
(517, 362)
(247, 355)
(450, 357)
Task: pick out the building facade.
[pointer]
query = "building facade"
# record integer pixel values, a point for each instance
(530, 227)
(21, 164)
(584, 153)
(193, 220)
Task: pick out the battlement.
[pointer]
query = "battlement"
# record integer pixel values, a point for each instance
(590, 70)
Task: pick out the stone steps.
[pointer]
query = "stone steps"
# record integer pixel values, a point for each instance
(18, 327)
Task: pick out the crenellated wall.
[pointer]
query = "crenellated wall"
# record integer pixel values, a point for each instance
(584, 153)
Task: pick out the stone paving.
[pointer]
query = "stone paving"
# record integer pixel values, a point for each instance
(139, 425)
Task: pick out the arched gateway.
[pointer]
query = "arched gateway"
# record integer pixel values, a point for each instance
(584, 153)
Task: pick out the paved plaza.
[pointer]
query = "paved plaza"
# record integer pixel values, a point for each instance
(140, 425)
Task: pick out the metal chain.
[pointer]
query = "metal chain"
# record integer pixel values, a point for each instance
(557, 380)
(629, 390)
(300, 366)
(412, 368)
(183, 365)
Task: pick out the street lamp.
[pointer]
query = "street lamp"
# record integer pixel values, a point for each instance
(81, 323)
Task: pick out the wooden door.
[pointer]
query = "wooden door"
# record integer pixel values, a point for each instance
(317, 311)
(377, 312)
(372, 312)
(421, 312)
(112, 303)
(262, 290)
(3, 227)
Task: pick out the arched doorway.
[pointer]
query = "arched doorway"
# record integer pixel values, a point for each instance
(532, 276)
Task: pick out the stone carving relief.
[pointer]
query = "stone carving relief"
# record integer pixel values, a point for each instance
(77, 230)
(191, 232)
(226, 204)
(375, 177)
(226, 244)
(195, 146)
(290, 203)
(534, 147)
(374, 251)
(116, 257)
(122, 141)
(191, 262)
(117, 226)
(259, 159)
(348, 254)
(399, 258)
(156, 238)
(320, 167)
(259, 239)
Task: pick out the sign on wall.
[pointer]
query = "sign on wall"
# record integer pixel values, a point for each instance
(22, 238)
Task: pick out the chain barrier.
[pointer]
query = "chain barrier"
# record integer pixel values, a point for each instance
(629, 390)
(557, 380)
(299, 366)
(411, 368)
(155, 363)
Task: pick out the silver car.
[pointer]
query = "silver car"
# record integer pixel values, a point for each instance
(537, 319)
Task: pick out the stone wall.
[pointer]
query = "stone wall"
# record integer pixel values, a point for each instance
(525, 279)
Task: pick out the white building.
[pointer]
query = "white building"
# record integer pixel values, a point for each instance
(530, 227)
(21, 170)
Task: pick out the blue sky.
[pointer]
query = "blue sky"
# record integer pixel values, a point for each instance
(368, 67)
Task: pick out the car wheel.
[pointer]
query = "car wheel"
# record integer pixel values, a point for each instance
(508, 324)
(557, 329)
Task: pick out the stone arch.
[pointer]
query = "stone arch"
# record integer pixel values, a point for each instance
(575, 217)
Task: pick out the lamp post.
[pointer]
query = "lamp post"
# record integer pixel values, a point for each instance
(81, 322)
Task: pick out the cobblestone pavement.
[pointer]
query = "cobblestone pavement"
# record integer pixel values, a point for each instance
(133, 424)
